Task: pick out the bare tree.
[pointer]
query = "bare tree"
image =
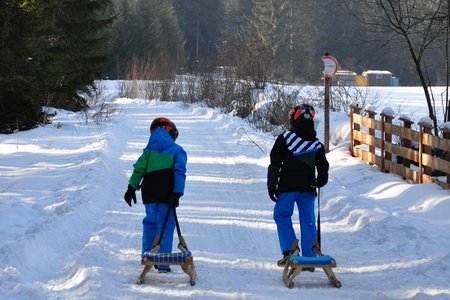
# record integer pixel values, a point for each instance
(417, 24)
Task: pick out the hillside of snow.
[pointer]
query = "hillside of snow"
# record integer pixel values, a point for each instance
(67, 233)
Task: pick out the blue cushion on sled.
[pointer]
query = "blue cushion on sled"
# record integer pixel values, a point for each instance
(318, 260)
(179, 257)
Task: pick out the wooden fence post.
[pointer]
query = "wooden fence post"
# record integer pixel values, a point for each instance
(371, 114)
(425, 128)
(446, 135)
(407, 123)
(354, 108)
(386, 137)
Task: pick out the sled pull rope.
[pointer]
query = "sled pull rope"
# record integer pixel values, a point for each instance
(158, 239)
(182, 244)
(318, 220)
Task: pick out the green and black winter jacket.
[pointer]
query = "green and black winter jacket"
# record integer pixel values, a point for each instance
(160, 171)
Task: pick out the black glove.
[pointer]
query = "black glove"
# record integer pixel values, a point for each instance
(130, 194)
(175, 199)
(319, 182)
(273, 194)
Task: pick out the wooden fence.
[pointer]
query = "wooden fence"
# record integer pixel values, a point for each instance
(372, 141)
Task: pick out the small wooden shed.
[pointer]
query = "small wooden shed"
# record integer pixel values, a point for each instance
(345, 77)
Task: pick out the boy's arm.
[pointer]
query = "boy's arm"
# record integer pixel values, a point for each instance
(322, 168)
(140, 168)
(179, 169)
(276, 160)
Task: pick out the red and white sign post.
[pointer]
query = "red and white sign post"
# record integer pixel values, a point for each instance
(330, 67)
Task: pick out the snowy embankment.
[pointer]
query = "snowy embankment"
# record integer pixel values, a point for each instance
(67, 233)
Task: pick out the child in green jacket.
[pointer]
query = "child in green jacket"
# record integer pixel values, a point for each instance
(160, 173)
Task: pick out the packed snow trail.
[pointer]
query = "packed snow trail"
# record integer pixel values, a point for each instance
(220, 214)
(79, 240)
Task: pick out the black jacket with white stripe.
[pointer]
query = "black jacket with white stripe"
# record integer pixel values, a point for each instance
(294, 159)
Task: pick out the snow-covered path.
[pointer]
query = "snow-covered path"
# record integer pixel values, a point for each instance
(69, 235)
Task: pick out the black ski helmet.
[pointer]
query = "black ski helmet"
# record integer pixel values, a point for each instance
(301, 113)
(167, 124)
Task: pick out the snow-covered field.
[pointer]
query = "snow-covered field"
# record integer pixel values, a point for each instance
(66, 232)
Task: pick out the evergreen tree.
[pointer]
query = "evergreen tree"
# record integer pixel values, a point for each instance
(50, 53)
(19, 23)
(147, 32)
(79, 51)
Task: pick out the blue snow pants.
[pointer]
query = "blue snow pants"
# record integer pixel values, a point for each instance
(152, 223)
(282, 214)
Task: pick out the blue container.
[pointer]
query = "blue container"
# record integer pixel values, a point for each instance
(395, 81)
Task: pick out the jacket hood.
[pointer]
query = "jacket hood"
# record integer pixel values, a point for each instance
(160, 139)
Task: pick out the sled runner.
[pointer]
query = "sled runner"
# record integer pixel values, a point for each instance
(296, 264)
(184, 258)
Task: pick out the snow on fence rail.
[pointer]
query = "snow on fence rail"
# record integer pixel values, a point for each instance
(418, 155)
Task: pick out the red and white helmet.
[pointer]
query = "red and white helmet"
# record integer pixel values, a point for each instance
(301, 113)
(167, 124)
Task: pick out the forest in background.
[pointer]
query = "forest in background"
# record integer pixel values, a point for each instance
(197, 35)
(52, 52)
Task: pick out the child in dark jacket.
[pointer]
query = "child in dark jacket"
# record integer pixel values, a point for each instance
(291, 179)
(160, 173)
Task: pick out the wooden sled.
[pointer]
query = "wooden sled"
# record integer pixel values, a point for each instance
(184, 259)
(296, 264)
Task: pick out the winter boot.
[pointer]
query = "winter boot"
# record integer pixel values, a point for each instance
(282, 262)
